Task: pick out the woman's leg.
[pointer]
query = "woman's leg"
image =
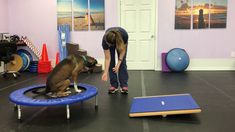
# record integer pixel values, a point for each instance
(112, 75)
(123, 74)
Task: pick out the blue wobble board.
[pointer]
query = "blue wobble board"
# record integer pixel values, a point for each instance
(163, 105)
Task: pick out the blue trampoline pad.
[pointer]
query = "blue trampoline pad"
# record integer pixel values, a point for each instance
(164, 105)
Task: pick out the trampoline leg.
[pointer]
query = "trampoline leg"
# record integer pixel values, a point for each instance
(96, 102)
(15, 107)
(67, 111)
(19, 112)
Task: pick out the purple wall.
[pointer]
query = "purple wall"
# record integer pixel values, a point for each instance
(37, 20)
(3, 16)
(201, 43)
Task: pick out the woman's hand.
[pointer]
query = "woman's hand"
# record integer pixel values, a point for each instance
(116, 68)
(105, 76)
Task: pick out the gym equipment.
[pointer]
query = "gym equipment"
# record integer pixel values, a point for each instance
(33, 67)
(25, 97)
(16, 64)
(72, 48)
(63, 38)
(7, 49)
(97, 68)
(163, 105)
(165, 68)
(177, 59)
(26, 52)
(31, 46)
(26, 60)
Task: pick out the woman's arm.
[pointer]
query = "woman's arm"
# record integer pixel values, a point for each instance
(106, 64)
(120, 58)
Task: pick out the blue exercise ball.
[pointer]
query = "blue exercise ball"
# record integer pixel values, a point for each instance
(177, 59)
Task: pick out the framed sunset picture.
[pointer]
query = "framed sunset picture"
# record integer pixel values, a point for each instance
(200, 14)
(183, 14)
(218, 13)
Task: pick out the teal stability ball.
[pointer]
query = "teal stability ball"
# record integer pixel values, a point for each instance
(177, 59)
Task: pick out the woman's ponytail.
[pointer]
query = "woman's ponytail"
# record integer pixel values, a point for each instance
(115, 37)
(119, 42)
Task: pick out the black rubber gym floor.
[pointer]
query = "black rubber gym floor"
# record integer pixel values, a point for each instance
(214, 92)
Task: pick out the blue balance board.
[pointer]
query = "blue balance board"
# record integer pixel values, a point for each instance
(164, 105)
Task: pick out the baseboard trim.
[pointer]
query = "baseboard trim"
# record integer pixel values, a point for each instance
(199, 65)
(207, 65)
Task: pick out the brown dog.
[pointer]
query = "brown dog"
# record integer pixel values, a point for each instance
(59, 79)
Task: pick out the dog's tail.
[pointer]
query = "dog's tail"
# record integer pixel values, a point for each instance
(39, 91)
(42, 93)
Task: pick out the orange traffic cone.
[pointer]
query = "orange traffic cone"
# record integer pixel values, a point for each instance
(44, 65)
(44, 56)
(57, 58)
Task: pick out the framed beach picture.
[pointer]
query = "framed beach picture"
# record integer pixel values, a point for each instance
(97, 15)
(183, 14)
(81, 15)
(64, 12)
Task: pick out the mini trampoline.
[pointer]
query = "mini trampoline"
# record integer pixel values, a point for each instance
(25, 97)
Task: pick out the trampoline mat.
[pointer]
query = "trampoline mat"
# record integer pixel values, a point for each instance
(41, 90)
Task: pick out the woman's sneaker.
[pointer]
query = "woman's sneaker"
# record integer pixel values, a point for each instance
(124, 90)
(112, 90)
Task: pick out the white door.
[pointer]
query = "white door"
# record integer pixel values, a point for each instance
(138, 18)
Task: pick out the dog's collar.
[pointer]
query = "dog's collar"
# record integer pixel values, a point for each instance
(84, 59)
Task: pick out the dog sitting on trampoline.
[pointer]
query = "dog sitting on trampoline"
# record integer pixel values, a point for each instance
(58, 81)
